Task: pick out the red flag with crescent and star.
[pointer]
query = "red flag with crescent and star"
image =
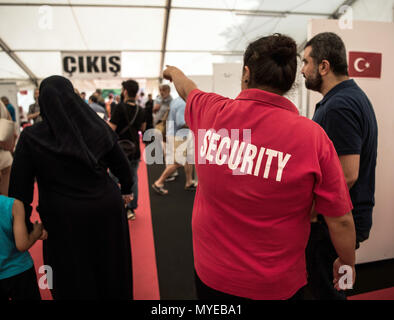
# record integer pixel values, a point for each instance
(365, 64)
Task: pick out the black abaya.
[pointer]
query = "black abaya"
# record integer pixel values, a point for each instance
(88, 245)
(81, 207)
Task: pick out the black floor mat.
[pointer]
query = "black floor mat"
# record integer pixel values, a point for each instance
(171, 219)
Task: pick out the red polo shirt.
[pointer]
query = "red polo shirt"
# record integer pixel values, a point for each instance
(251, 217)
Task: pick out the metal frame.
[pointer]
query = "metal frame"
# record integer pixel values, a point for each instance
(164, 39)
(168, 7)
(236, 11)
(19, 62)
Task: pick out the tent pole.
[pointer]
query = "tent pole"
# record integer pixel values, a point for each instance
(18, 61)
(164, 41)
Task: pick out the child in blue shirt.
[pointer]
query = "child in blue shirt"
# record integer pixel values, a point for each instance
(18, 279)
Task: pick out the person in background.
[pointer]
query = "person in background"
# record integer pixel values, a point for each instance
(83, 96)
(114, 104)
(161, 105)
(348, 118)
(18, 280)
(102, 113)
(109, 105)
(182, 151)
(23, 117)
(129, 114)
(100, 99)
(34, 109)
(142, 99)
(9, 107)
(161, 109)
(251, 216)
(68, 155)
(6, 147)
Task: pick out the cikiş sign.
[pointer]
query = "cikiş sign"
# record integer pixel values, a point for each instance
(91, 65)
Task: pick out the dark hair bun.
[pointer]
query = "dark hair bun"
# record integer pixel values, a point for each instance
(272, 62)
(283, 49)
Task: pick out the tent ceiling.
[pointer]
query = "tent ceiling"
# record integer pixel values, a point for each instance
(200, 32)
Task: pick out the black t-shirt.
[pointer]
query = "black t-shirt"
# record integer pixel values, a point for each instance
(113, 106)
(122, 116)
(347, 116)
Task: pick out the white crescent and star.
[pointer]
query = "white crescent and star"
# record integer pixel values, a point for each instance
(357, 67)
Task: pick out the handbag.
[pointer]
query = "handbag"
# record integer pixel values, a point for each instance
(161, 125)
(128, 146)
(7, 129)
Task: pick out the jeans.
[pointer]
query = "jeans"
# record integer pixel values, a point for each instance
(134, 173)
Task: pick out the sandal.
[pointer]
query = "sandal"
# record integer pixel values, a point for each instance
(191, 187)
(159, 190)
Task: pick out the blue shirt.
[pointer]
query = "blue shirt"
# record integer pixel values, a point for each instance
(164, 106)
(347, 116)
(176, 117)
(11, 110)
(12, 261)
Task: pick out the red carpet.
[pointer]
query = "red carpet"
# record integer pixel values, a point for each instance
(384, 294)
(146, 285)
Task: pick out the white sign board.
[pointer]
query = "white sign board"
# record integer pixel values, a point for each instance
(91, 65)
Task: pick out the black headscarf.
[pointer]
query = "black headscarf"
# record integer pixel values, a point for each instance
(70, 127)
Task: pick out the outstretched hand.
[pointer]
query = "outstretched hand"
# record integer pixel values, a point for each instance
(167, 73)
(182, 83)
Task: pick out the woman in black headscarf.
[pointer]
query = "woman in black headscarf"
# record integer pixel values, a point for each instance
(81, 207)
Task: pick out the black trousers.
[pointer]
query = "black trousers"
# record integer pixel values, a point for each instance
(320, 256)
(207, 293)
(23, 286)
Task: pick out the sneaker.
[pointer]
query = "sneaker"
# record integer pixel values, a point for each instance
(130, 214)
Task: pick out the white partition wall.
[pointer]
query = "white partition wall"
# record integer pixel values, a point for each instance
(375, 37)
(227, 79)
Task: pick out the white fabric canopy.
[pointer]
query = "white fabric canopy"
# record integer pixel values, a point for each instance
(200, 32)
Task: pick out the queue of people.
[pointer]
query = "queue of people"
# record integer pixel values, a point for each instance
(272, 214)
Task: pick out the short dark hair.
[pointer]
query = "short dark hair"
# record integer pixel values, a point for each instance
(93, 98)
(272, 62)
(131, 86)
(329, 46)
(5, 100)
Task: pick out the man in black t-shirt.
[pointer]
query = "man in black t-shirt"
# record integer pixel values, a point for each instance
(348, 118)
(123, 114)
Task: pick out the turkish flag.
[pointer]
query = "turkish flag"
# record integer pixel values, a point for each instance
(365, 64)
